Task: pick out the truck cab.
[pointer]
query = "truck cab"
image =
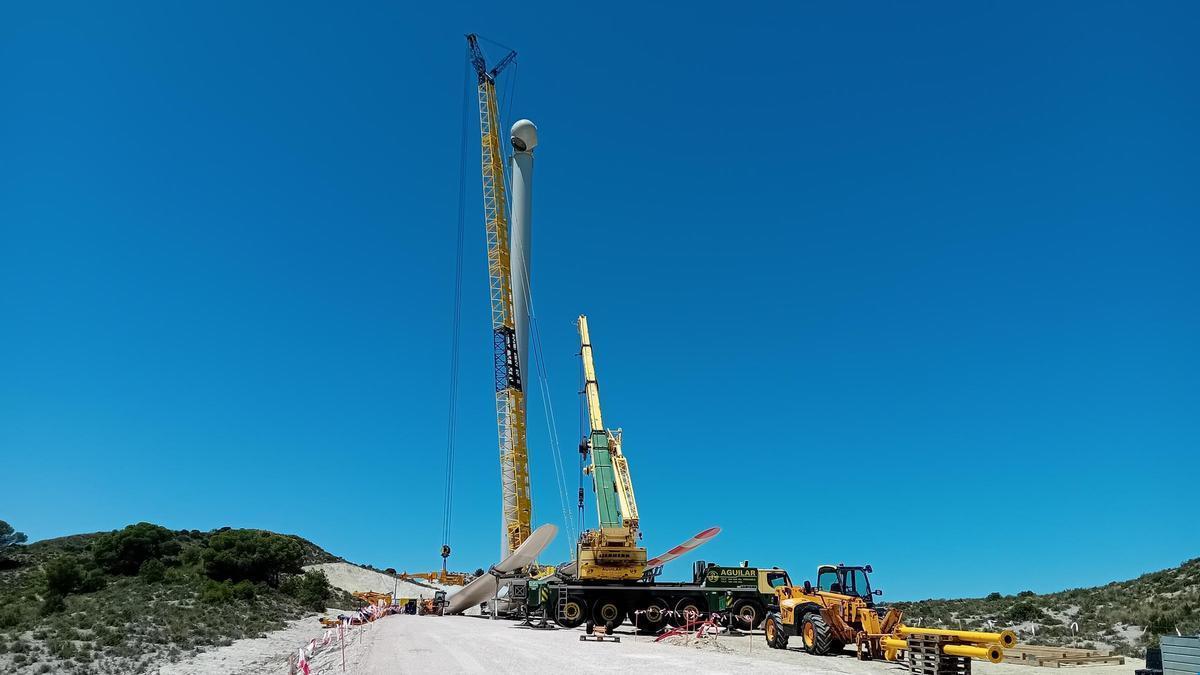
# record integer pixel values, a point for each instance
(750, 607)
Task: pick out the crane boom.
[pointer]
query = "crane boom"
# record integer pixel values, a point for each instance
(610, 552)
(510, 396)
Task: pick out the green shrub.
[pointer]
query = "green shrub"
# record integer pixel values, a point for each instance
(53, 604)
(9, 617)
(63, 576)
(312, 589)
(216, 592)
(125, 551)
(993, 596)
(244, 590)
(153, 571)
(255, 555)
(192, 555)
(63, 649)
(1024, 611)
(93, 580)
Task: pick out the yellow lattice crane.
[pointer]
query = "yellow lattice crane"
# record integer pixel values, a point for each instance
(510, 397)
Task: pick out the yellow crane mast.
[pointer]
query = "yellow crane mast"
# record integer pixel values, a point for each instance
(510, 397)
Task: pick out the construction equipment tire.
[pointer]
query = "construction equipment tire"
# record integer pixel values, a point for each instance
(652, 617)
(692, 604)
(815, 635)
(573, 613)
(747, 614)
(777, 637)
(608, 612)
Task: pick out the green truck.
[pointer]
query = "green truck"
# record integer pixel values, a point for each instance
(742, 592)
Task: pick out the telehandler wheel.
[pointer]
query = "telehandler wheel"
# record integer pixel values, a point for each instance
(747, 614)
(572, 614)
(687, 610)
(608, 612)
(815, 634)
(652, 617)
(777, 637)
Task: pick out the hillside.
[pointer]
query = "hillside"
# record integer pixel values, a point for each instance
(125, 601)
(1126, 616)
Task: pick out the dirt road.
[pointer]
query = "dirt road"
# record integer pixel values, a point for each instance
(463, 644)
(459, 644)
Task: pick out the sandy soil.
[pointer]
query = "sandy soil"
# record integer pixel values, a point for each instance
(468, 645)
(355, 579)
(462, 644)
(253, 655)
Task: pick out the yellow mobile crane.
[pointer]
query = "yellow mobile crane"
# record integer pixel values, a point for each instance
(510, 397)
(610, 552)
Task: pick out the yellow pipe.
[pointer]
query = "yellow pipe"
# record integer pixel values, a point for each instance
(1005, 639)
(991, 653)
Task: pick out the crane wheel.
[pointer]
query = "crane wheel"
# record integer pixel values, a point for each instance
(747, 614)
(652, 617)
(815, 634)
(608, 612)
(777, 637)
(572, 613)
(687, 610)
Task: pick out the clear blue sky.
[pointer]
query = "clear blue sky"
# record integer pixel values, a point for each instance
(913, 285)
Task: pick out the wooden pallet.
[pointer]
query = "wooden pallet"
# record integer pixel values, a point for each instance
(1060, 657)
(925, 657)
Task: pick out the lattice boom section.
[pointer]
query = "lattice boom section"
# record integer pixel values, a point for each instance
(510, 399)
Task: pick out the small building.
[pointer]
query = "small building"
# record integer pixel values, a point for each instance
(1180, 655)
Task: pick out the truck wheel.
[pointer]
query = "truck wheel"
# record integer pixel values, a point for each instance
(816, 635)
(608, 612)
(747, 614)
(687, 610)
(652, 617)
(572, 613)
(777, 637)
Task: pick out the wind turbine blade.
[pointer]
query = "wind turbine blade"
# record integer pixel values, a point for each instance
(528, 552)
(481, 589)
(484, 588)
(689, 545)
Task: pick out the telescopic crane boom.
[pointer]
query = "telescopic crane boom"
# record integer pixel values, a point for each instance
(610, 552)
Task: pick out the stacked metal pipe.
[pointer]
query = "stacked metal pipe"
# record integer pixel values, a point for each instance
(967, 643)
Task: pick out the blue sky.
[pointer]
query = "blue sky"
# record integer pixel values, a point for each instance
(912, 285)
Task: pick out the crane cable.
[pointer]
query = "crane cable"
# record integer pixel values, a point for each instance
(543, 378)
(452, 416)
